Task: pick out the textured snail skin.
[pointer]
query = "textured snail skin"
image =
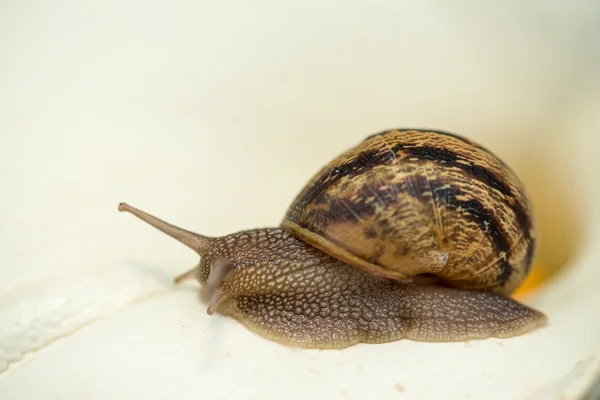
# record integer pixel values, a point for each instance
(441, 216)
(297, 295)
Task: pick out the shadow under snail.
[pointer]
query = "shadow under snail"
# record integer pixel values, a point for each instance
(412, 234)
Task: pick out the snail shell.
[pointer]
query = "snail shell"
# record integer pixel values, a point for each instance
(409, 202)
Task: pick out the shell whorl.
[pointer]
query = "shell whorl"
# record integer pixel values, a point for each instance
(408, 202)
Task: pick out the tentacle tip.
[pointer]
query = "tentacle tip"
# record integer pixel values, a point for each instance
(123, 206)
(179, 279)
(191, 274)
(216, 299)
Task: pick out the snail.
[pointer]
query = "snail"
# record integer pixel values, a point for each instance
(414, 234)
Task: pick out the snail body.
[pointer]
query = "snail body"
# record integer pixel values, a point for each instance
(411, 234)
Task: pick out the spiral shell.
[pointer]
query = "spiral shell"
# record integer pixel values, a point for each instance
(409, 202)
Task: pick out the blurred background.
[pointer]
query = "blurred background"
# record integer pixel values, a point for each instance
(213, 115)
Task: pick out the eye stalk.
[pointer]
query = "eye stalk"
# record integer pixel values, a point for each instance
(194, 241)
(215, 254)
(199, 243)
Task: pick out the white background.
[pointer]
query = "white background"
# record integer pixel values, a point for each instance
(212, 116)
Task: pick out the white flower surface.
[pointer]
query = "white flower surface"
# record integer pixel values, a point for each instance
(212, 116)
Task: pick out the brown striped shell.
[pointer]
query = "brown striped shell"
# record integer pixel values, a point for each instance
(409, 202)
